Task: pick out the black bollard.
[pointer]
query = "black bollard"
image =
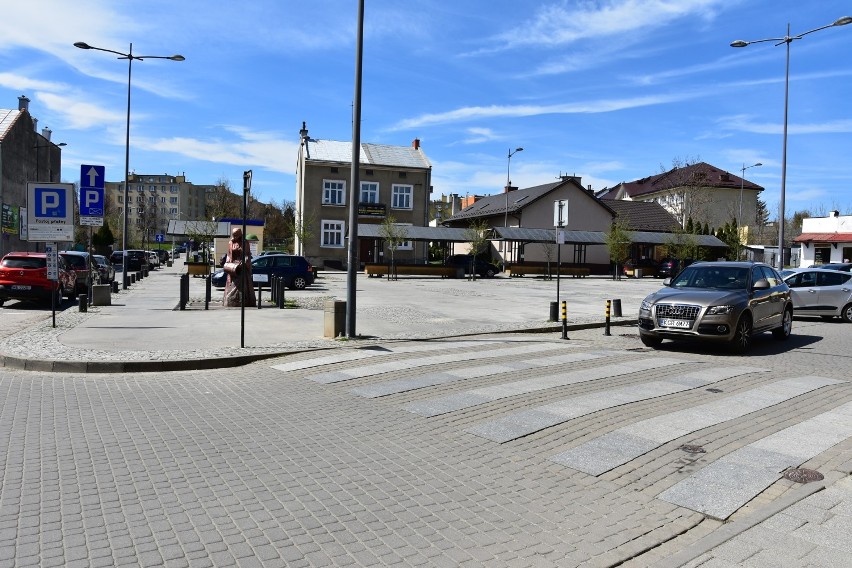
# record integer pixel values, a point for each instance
(83, 302)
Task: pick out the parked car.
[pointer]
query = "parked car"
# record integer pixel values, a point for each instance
(84, 265)
(643, 266)
(153, 259)
(136, 259)
(842, 266)
(725, 302)
(116, 257)
(163, 255)
(820, 292)
(671, 266)
(105, 269)
(296, 270)
(469, 263)
(219, 278)
(23, 276)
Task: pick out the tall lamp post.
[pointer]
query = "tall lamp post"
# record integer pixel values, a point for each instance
(787, 40)
(129, 57)
(38, 147)
(506, 214)
(742, 182)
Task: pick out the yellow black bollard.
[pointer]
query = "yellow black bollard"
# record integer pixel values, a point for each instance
(564, 319)
(608, 304)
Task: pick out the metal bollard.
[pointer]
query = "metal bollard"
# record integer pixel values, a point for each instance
(208, 291)
(564, 319)
(281, 298)
(259, 295)
(83, 302)
(184, 290)
(115, 286)
(606, 328)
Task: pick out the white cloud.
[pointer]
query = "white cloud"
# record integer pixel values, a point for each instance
(743, 123)
(77, 114)
(514, 111)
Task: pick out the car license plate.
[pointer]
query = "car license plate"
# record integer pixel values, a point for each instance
(675, 323)
(20, 287)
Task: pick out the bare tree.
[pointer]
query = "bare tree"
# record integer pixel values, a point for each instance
(302, 228)
(548, 255)
(686, 192)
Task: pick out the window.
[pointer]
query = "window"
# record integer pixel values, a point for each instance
(121, 199)
(401, 198)
(173, 200)
(333, 192)
(174, 189)
(173, 210)
(332, 234)
(140, 199)
(162, 200)
(369, 192)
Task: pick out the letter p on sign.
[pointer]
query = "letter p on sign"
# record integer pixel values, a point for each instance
(49, 203)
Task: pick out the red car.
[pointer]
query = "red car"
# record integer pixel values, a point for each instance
(23, 276)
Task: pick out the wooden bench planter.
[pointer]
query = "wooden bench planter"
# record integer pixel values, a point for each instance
(197, 268)
(412, 270)
(537, 270)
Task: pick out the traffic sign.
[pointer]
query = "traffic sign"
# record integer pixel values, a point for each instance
(50, 211)
(160, 238)
(91, 194)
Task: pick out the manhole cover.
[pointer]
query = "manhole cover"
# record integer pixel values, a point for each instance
(715, 390)
(693, 449)
(803, 475)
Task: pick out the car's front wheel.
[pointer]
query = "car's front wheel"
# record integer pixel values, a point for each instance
(741, 341)
(846, 313)
(783, 331)
(299, 283)
(489, 273)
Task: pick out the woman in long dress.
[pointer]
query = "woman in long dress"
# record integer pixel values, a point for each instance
(238, 251)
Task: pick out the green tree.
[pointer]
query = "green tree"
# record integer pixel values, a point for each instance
(682, 245)
(476, 234)
(394, 235)
(618, 240)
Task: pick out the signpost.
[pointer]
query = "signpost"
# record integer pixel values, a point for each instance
(560, 219)
(50, 212)
(52, 259)
(92, 195)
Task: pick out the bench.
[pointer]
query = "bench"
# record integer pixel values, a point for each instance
(379, 270)
(537, 269)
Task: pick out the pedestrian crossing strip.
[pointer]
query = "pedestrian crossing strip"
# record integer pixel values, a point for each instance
(441, 358)
(475, 397)
(717, 490)
(530, 421)
(630, 442)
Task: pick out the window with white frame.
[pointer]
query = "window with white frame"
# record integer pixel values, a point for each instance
(173, 200)
(173, 211)
(369, 192)
(332, 234)
(401, 196)
(333, 192)
(404, 245)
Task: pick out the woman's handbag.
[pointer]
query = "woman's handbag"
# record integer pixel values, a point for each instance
(233, 268)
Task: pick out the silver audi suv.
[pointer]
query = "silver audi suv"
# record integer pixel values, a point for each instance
(725, 302)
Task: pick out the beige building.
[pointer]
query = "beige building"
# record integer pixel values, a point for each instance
(699, 191)
(534, 208)
(154, 200)
(394, 181)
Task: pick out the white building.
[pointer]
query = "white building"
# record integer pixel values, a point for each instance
(825, 239)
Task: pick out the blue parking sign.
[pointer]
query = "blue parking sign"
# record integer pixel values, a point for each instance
(50, 203)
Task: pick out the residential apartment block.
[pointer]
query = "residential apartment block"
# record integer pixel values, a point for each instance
(154, 199)
(394, 181)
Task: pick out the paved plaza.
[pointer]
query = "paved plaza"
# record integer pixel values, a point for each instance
(408, 448)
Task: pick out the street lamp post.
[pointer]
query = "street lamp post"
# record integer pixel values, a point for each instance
(129, 57)
(742, 182)
(38, 147)
(787, 40)
(506, 213)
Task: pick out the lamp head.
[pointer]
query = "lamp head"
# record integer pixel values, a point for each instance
(519, 149)
(82, 45)
(758, 164)
(177, 58)
(843, 21)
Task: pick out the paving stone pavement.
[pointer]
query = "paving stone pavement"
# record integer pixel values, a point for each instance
(259, 465)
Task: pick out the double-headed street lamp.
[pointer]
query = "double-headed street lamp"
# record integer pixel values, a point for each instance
(129, 57)
(742, 182)
(787, 40)
(506, 214)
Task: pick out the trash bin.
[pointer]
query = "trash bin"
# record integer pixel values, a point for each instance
(335, 318)
(554, 311)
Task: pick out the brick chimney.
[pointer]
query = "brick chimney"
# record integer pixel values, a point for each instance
(416, 144)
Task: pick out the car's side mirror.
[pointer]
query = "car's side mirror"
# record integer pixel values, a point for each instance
(667, 282)
(762, 284)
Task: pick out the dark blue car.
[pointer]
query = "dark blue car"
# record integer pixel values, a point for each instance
(296, 270)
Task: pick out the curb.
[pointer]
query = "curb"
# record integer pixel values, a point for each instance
(59, 366)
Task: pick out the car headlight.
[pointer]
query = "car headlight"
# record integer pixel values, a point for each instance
(645, 306)
(719, 310)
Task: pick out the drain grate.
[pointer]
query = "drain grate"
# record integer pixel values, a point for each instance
(690, 449)
(802, 475)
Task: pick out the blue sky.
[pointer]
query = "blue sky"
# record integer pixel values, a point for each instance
(610, 90)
